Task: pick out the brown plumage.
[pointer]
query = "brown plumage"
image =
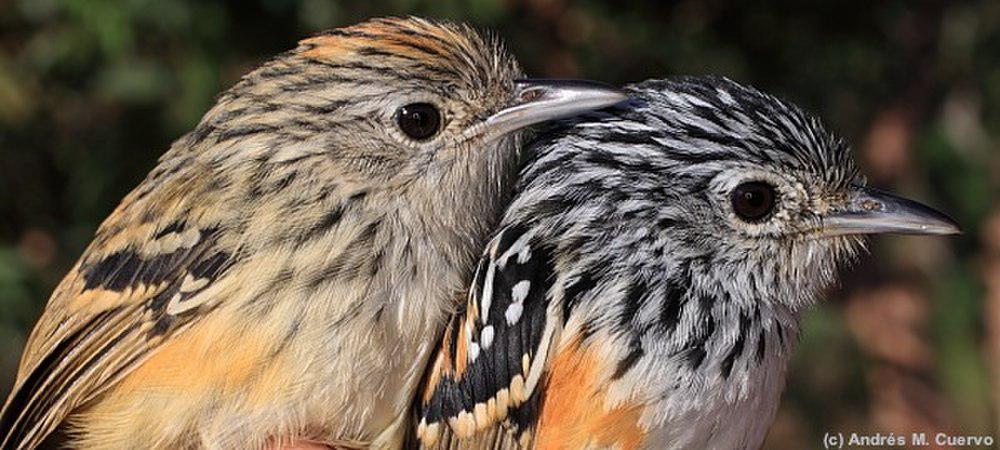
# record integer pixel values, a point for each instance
(283, 272)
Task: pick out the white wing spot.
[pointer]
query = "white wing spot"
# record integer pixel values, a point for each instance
(517, 248)
(513, 313)
(524, 255)
(486, 337)
(487, 300)
(473, 351)
(520, 291)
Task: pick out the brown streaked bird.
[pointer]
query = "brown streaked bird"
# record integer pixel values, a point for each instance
(282, 274)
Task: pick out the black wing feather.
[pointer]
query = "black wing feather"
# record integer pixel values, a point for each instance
(479, 389)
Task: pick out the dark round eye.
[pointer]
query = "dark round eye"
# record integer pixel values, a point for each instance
(753, 200)
(419, 121)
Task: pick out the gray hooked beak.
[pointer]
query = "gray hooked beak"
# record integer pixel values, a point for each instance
(540, 100)
(871, 211)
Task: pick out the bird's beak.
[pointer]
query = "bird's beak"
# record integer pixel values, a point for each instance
(870, 211)
(540, 100)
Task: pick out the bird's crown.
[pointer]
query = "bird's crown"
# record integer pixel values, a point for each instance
(718, 118)
(449, 49)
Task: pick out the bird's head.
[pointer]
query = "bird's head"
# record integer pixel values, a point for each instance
(722, 180)
(391, 114)
(408, 98)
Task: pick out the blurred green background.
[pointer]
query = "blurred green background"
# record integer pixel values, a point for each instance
(92, 91)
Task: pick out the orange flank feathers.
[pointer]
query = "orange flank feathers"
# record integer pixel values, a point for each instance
(575, 414)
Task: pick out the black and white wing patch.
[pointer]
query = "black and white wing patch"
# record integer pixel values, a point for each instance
(491, 358)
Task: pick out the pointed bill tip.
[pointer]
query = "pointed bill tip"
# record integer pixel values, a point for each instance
(871, 211)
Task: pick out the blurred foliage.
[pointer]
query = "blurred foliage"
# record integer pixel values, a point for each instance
(92, 91)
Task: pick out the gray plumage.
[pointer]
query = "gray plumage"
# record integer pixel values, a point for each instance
(704, 306)
(656, 306)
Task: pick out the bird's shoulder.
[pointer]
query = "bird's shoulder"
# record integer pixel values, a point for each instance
(515, 369)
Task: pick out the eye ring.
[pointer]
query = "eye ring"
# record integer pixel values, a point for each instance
(753, 201)
(419, 121)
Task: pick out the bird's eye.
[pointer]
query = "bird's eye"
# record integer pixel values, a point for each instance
(419, 121)
(753, 200)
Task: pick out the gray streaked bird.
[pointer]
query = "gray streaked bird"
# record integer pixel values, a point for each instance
(282, 274)
(646, 285)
